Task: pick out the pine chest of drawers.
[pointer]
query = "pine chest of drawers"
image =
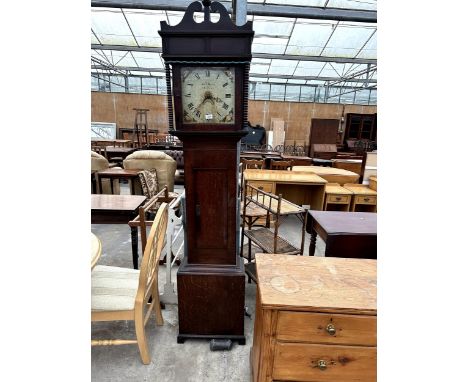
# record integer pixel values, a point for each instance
(315, 320)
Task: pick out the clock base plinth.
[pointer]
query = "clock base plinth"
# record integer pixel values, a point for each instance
(211, 301)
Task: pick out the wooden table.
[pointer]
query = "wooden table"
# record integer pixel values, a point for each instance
(315, 319)
(113, 142)
(302, 188)
(337, 198)
(346, 234)
(330, 174)
(364, 198)
(96, 249)
(122, 152)
(118, 209)
(118, 173)
(251, 156)
(297, 160)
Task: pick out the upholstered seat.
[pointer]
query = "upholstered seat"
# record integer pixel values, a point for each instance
(148, 159)
(98, 163)
(119, 294)
(113, 288)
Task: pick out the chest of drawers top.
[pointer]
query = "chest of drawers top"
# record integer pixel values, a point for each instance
(317, 284)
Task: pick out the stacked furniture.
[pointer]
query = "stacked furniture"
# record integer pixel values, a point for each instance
(315, 319)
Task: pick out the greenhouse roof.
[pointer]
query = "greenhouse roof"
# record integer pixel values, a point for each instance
(307, 50)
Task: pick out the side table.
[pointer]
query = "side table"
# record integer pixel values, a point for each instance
(118, 173)
(364, 198)
(346, 234)
(337, 198)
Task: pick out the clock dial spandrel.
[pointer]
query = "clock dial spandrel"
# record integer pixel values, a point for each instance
(208, 95)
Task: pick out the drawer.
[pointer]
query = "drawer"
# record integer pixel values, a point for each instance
(305, 362)
(365, 199)
(264, 186)
(341, 199)
(326, 328)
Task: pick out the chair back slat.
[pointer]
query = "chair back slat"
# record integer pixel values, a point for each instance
(152, 252)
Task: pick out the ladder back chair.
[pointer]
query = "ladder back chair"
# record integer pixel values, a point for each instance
(119, 294)
(280, 165)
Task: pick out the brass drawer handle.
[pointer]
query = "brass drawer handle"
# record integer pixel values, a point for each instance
(321, 364)
(331, 329)
(366, 199)
(338, 198)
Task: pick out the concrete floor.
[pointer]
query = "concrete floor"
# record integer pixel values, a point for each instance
(189, 362)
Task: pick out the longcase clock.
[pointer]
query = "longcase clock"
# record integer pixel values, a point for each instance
(208, 63)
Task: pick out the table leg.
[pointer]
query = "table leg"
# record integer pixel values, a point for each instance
(313, 240)
(111, 185)
(134, 236)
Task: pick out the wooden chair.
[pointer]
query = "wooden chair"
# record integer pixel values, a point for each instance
(119, 294)
(100, 150)
(252, 213)
(280, 165)
(266, 238)
(253, 163)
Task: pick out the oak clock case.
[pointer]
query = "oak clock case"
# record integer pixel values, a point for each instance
(208, 97)
(207, 66)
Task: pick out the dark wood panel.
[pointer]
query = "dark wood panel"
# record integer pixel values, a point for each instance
(211, 301)
(323, 131)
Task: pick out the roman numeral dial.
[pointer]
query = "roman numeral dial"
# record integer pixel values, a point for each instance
(208, 94)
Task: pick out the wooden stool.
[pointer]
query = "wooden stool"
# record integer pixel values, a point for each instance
(364, 198)
(337, 198)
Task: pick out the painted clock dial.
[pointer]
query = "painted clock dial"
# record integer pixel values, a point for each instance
(208, 94)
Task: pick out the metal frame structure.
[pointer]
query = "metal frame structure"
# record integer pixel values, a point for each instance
(339, 74)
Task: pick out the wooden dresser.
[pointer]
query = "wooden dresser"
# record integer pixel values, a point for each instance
(316, 319)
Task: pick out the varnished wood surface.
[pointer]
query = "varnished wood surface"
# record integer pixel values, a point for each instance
(317, 284)
(350, 329)
(337, 222)
(299, 362)
(96, 249)
(320, 170)
(116, 202)
(118, 173)
(283, 176)
(373, 182)
(360, 189)
(335, 188)
(110, 141)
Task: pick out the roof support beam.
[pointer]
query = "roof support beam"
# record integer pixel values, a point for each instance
(252, 9)
(254, 55)
(266, 76)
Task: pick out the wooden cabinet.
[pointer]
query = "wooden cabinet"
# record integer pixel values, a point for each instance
(323, 138)
(361, 126)
(337, 198)
(316, 319)
(364, 198)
